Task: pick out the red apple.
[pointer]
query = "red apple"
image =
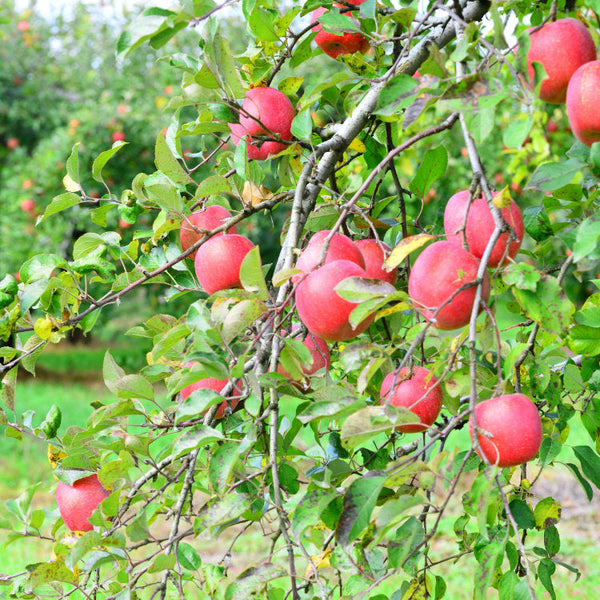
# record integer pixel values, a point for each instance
(218, 262)
(416, 389)
(561, 47)
(210, 383)
(118, 136)
(323, 312)
(340, 247)
(206, 219)
(77, 502)
(265, 111)
(27, 183)
(27, 205)
(374, 253)
(12, 143)
(319, 351)
(439, 271)
(480, 226)
(583, 98)
(334, 44)
(23, 25)
(511, 429)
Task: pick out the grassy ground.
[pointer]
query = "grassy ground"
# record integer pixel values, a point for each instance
(24, 463)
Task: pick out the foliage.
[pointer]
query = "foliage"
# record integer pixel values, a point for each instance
(349, 507)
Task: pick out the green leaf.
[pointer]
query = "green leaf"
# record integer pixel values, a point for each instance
(290, 85)
(432, 167)
(162, 192)
(522, 513)
(537, 223)
(251, 580)
(190, 440)
(251, 274)
(9, 289)
(548, 305)
(551, 540)
(215, 184)
(73, 163)
(221, 511)
(302, 125)
(583, 339)
(41, 266)
(168, 164)
(367, 422)
(546, 569)
(60, 202)
(488, 557)
(221, 465)
(309, 509)
(48, 572)
(586, 241)
(359, 289)
(134, 386)
(162, 562)
(517, 131)
(522, 276)
(111, 372)
(187, 557)
(51, 422)
(101, 160)
(241, 316)
(551, 176)
(590, 463)
(359, 502)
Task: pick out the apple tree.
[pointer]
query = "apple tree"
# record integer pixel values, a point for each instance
(301, 428)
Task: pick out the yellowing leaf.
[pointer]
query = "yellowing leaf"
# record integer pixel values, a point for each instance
(503, 198)
(319, 561)
(70, 184)
(54, 455)
(390, 310)
(43, 328)
(405, 247)
(357, 145)
(254, 194)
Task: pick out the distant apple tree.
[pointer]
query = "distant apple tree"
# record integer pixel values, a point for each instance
(231, 469)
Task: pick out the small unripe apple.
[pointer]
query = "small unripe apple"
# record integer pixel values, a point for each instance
(416, 389)
(323, 312)
(27, 205)
(77, 502)
(218, 262)
(340, 247)
(480, 226)
(335, 44)
(439, 271)
(561, 47)
(583, 97)
(511, 429)
(374, 254)
(217, 385)
(206, 219)
(265, 111)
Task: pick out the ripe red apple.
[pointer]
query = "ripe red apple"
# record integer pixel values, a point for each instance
(12, 143)
(210, 383)
(118, 136)
(561, 46)
(23, 25)
(334, 44)
(340, 247)
(480, 226)
(319, 351)
(583, 97)
(206, 219)
(514, 427)
(374, 253)
(27, 205)
(416, 389)
(439, 271)
(77, 502)
(323, 312)
(27, 183)
(265, 111)
(218, 262)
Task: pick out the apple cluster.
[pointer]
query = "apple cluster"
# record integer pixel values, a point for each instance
(566, 51)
